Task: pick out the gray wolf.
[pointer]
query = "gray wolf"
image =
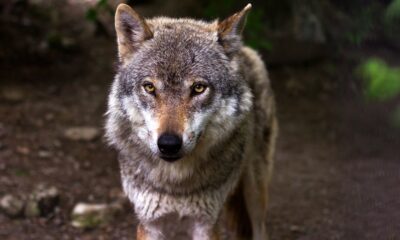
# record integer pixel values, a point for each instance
(192, 115)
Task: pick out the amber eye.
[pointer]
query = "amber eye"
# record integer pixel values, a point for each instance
(198, 88)
(149, 87)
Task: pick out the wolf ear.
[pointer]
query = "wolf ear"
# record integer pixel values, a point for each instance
(131, 30)
(230, 30)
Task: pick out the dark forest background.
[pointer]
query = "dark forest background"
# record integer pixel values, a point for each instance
(335, 70)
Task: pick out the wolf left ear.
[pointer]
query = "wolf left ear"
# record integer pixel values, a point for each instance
(230, 30)
(131, 29)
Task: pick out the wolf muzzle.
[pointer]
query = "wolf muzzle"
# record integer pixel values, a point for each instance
(169, 146)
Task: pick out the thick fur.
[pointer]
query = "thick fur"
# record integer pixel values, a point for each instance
(228, 132)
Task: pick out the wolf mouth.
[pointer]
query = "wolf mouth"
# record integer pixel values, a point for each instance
(170, 158)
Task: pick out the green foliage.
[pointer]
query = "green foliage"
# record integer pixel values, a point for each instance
(215, 8)
(382, 82)
(362, 25)
(393, 11)
(93, 12)
(372, 16)
(392, 21)
(254, 30)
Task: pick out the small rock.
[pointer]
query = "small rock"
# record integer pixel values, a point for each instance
(57, 144)
(86, 165)
(11, 205)
(23, 150)
(49, 116)
(81, 133)
(44, 154)
(13, 94)
(295, 228)
(42, 201)
(32, 208)
(86, 215)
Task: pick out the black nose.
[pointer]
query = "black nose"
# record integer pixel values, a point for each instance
(169, 144)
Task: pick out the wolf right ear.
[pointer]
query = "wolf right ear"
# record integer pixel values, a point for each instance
(131, 30)
(230, 30)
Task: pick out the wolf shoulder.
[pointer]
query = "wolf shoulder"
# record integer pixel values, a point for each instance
(254, 69)
(256, 75)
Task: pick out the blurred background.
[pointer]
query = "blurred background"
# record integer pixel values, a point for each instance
(335, 70)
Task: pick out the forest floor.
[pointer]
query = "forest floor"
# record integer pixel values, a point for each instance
(337, 168)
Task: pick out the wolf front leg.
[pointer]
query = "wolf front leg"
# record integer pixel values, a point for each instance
(255, 193)
(256, 180)
(201, 232)
(141, 233)
(237, 216)
(247, 206)
(206, 232)
(149, 232)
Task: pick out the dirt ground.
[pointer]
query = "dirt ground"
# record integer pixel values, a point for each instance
(337, 169)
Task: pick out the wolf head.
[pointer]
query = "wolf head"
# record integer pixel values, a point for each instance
(179, 89)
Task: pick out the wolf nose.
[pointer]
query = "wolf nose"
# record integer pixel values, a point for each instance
(169, 144)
